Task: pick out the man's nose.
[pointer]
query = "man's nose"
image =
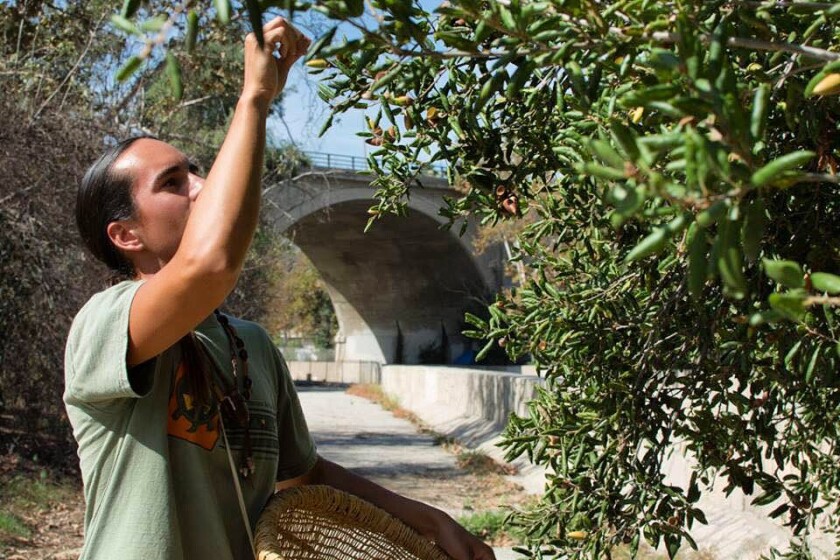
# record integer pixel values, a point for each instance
(196, 184)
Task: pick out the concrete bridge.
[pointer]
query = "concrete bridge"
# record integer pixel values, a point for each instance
(406, 278)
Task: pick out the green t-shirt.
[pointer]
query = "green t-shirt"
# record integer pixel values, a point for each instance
(156, 476)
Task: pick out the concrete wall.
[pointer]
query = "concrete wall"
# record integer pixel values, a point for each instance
(443, 394)
(470, 404)
(335, 372)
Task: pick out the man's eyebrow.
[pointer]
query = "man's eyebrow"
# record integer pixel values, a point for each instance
(184, 163)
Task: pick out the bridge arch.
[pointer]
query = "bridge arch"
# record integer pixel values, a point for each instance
(398, 288)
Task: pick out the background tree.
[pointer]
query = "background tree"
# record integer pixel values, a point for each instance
(301, 304)
(49, 134)
(59, 103)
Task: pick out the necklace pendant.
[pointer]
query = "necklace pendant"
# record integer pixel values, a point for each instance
(235, 408)
(247, 468)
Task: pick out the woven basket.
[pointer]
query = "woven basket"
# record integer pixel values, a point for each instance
(322, 523)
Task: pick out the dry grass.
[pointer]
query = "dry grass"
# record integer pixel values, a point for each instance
(475, 461)
(375, 393)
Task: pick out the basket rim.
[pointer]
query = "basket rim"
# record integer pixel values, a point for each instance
(340, 505)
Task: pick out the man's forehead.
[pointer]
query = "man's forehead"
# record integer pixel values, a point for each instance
(148, 156)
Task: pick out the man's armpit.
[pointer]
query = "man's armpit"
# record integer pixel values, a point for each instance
(307, 478)
(142, 377)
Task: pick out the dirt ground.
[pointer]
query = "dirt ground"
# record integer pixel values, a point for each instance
(461, 493)
(58, 535)
(50, 507)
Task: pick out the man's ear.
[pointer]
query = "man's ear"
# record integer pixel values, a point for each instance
(124, 236)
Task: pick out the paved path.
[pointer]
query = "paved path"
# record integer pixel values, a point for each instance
(363, 437)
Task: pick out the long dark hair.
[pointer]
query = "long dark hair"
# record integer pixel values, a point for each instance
(105, 196)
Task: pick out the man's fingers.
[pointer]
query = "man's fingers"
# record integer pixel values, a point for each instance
(280, 34)
(289, 32)
(265, 74)
(485, 553)
(286, 39)
(274, 24)
(480, 551)
(303, 45)
(457, 549)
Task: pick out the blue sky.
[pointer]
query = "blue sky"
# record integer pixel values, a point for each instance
(305, 112)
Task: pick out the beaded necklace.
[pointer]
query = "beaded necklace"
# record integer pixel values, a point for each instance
(233, 403)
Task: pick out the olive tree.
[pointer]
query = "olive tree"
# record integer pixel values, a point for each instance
(681, 284)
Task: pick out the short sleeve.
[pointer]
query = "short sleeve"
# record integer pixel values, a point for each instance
(95, 367)
(297, 449)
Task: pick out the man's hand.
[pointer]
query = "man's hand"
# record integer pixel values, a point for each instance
(428, 521)
(458, 543)
(265, 75)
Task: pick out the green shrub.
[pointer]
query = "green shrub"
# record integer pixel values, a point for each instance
(676, 187)
(487, 525)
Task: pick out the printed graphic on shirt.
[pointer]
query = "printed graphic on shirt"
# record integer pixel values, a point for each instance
(187, 421)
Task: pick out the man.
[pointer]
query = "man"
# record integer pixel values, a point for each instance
(156, 383)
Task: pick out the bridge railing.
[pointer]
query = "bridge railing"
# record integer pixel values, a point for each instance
(324, 160)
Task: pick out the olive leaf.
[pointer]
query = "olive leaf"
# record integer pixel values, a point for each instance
(787, 273)
(825, 282)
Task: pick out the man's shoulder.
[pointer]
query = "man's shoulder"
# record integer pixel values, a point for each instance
(249, 330)
(110, 301)
(259, 344)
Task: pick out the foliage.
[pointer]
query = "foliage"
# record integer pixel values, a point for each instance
(56, 58)
(300, 303)
(48, 136)
(685, 188)
(258, 288)
(44, 277)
